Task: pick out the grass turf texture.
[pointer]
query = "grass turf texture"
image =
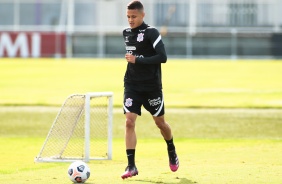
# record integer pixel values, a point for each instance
(251, 84)
(214, 145)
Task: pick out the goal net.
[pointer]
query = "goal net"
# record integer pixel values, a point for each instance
(82, 130)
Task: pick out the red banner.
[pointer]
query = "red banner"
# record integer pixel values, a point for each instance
(32, 44)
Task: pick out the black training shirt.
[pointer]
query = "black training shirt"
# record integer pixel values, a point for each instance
(146, 44)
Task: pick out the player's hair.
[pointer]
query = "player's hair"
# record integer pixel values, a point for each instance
(133, 5)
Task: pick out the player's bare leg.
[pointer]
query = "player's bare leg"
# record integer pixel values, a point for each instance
(130, 135)
(130, 141)
(164, 127)
(166, 133)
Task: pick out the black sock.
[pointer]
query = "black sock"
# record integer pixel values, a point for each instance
(170, 145)
(131, 157)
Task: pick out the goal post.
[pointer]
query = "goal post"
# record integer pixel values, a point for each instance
(82, 130)
(109, 121)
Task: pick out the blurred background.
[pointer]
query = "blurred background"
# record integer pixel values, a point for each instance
(93, 28)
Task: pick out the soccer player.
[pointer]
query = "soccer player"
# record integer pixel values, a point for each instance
(143, 83)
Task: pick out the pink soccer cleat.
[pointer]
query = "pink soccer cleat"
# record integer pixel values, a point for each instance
(173, 161)
(129, 172)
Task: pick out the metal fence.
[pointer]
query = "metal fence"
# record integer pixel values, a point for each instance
(190, 28)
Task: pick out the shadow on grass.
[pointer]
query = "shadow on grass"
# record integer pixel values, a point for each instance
(181, 181)
(186, 181)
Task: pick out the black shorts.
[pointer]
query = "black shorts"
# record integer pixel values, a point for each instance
(152, 102)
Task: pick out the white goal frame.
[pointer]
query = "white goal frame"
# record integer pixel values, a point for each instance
(87, 108)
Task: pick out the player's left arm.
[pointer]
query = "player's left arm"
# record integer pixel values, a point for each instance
(158, 45)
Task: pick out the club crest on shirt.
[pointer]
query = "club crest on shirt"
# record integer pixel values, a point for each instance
(140, 37)
(128, 102)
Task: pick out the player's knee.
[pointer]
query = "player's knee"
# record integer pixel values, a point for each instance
(129, 123)
(160, 124)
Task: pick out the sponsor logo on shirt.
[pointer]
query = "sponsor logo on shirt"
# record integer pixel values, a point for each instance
(130, 48)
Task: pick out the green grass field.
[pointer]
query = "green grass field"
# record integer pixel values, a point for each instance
(187, 83)
(226, 118)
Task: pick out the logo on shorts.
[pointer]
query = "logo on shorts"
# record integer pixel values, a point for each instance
(140, 37)
(155, 102)
(128, 102)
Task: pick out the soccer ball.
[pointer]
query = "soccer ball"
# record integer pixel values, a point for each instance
(78, 172)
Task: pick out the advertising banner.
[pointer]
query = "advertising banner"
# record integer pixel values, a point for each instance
(32, 44)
